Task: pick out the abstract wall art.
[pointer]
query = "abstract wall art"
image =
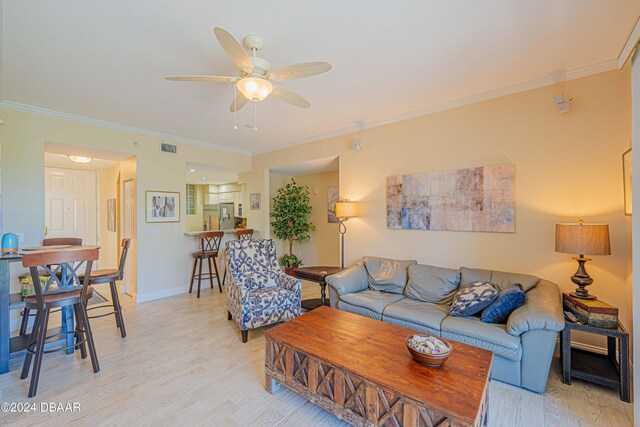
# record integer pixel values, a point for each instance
(332, 198)
(475, 199)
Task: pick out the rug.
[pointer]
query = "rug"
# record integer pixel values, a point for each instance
(96, 298)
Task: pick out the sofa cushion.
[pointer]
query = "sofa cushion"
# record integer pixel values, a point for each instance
(362, 311)
(501, 279)
(373, 300)
(432, 284)
(417, 312)
(473, 299)
(503, 306)
(387, 275)
(490, 336)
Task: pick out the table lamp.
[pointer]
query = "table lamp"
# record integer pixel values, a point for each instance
(583, 239)
(344, 210)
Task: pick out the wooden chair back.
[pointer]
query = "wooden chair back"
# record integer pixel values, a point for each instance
(123, 257)
(210, 241)
(244, 234)
(62, 267)
(54, 241)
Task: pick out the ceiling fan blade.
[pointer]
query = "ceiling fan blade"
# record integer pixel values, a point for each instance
(217, 79)
(238, 102)
(290, 97)
(299, 71)
(234, 49)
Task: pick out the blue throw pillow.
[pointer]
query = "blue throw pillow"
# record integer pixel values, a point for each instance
(501, 308)
(473, 298)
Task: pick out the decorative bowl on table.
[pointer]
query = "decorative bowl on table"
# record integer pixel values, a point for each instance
(428, 350)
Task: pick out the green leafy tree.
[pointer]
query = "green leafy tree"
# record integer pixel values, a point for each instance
(291, 214)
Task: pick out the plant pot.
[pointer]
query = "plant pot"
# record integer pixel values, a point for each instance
(290, 270)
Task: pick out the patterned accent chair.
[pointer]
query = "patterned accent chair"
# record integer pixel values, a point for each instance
(259, 292)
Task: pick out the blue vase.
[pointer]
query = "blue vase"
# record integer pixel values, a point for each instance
(9, 243)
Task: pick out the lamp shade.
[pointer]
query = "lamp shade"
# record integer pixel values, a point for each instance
(346, 209)
(583, 239)
(254, 89)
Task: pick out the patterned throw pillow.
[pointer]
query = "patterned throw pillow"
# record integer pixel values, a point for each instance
(499, 311)
(473, 298)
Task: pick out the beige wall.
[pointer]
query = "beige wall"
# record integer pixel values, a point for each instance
(108, 240)
(568, 166)
(162, 250)
(324, 247)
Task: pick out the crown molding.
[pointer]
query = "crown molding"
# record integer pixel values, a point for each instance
(550, 79)
(116, 126)
(629, 46)
(547, 80)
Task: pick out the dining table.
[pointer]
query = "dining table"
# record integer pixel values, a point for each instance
(11, 347)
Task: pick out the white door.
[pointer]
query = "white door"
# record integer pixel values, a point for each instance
(70, 204)
(127, 232)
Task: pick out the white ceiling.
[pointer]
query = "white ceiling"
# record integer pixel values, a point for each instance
(199, 173)
(106, 59)
(53, 159)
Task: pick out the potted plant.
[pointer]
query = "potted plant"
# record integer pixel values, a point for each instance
(291, 220)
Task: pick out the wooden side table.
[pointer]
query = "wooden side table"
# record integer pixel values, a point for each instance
(316, 274)
(601, 369)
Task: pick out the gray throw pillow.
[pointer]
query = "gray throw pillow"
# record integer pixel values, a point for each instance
(432, 284)
(473, 299)
(387, 275)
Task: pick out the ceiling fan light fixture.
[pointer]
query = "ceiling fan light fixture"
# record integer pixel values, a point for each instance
(254, 89)
(79, 159)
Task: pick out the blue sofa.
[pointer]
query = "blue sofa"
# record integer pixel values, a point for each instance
(419, 297)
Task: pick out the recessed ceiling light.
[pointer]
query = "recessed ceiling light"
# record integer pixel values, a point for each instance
(192, 170)
(79, 159)
(204, 179)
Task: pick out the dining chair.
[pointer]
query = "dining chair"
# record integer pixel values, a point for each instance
(241, 234)
(63, 289)
(111, 276)
(53, 241)
(209, 248)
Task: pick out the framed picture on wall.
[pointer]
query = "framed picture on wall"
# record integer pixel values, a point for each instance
(254, 201)
(111, 214)
(627, 175)
(332, 198)
(162, 206)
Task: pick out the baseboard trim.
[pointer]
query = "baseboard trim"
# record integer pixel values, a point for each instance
(589, 347)
(164, 293)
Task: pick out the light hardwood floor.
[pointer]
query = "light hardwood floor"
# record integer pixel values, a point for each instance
(182, 363)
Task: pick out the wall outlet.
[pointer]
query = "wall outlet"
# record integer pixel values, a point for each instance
(20, 237)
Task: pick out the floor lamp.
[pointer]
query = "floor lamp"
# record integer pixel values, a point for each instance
(344, 211)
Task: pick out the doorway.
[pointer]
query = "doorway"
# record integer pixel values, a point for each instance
(71, 204)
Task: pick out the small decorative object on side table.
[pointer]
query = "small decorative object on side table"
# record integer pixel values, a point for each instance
(316, 274)
(606, 370)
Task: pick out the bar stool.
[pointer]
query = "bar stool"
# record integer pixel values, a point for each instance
(111, 276)
(63, 289)
(209, 247)
(241, 234)
(53, 241)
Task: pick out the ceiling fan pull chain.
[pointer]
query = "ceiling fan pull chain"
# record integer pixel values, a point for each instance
(235, 107)
(255, 116)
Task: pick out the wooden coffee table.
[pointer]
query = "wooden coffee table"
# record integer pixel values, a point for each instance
(359, 369)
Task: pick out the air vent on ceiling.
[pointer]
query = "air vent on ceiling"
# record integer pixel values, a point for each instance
(169, 148)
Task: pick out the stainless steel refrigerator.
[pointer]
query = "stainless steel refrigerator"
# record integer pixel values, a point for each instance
(227, 217)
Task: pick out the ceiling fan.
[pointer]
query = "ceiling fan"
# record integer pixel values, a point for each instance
(255, 76)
